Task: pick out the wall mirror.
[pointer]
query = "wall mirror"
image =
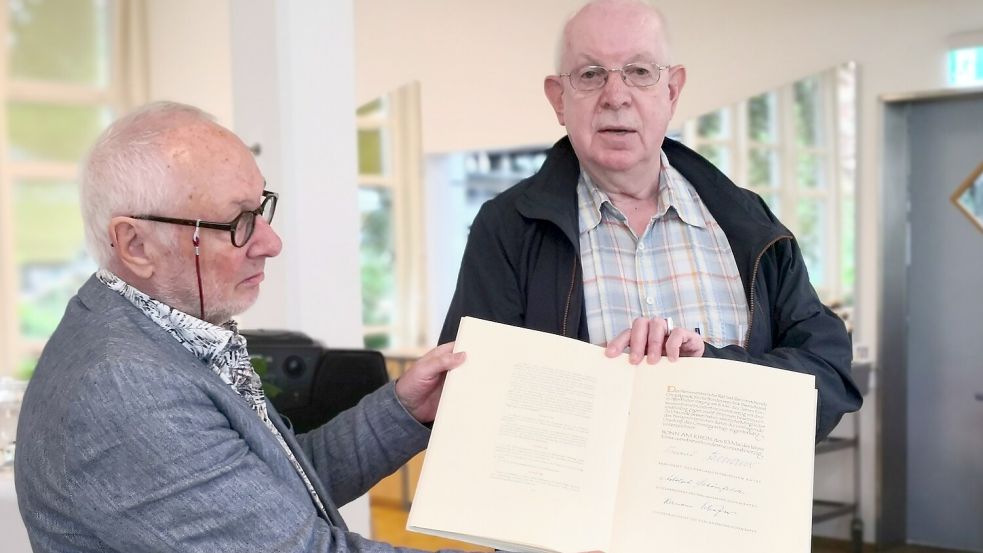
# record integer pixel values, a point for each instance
(969, 197)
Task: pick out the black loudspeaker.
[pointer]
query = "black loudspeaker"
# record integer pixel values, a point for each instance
(308, 383)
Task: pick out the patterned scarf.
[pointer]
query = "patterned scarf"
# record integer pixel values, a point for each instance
(221, 348)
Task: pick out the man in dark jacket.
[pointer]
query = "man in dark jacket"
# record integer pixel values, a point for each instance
(623, 233)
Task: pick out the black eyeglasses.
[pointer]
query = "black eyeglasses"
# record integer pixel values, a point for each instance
(241, 228)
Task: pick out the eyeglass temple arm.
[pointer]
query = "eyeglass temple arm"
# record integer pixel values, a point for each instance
(185, 222)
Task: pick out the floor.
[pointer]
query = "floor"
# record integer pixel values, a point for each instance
(820, 545)
(389, 525)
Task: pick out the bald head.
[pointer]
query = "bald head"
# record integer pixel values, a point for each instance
(616, 128)
(158, 189)
(616, 16)
(128, 169)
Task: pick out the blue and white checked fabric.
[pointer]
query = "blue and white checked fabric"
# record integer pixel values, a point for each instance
(681, 266)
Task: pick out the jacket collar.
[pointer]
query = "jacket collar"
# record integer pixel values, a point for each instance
(551, 195)
(96, 296)
(748, 223)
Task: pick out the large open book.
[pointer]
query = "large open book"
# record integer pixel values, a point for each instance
(541, 443)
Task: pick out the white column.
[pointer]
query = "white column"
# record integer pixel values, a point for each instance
(293, 86)
(293, 91)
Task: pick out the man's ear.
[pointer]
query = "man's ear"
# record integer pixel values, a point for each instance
(677, 78)
(133, 251)
(553, 87)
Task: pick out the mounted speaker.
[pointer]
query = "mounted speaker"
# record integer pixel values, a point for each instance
(308, 383)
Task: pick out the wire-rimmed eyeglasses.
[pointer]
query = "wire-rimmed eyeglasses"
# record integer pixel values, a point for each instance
(592, 77)
(241, 228)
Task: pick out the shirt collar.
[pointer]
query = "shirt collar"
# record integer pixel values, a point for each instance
(591, 200)
(674, 192)
(204, 339)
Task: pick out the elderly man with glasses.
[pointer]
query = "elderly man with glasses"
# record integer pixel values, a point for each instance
(145, 427)
(628, 239)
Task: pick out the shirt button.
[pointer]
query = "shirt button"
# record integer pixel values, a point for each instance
(650, 300)
(641, 246)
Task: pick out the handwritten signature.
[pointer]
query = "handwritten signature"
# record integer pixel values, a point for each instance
(730, 460)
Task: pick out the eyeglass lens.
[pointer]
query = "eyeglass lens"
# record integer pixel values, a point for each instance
(246, 222)
(636, 74)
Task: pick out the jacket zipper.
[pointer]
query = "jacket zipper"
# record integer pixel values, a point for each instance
(566, 310)
(754, 276)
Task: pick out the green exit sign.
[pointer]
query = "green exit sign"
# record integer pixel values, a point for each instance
(966, 67)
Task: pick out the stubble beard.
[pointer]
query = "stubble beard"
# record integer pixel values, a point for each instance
(180, 291)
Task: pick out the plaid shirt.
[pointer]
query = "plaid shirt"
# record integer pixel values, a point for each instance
(681, 267)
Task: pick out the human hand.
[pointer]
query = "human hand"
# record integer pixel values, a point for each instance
(683, 343)
(653, 338)
(419, 388)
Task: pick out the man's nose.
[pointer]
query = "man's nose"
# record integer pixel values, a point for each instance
(265, 242)
(615, 93)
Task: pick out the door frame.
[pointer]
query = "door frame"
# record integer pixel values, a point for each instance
(895, 255)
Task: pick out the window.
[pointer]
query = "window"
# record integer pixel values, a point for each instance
(458, 184)
(390, 204)
(796, 147)
(489, 173)
(60, 88)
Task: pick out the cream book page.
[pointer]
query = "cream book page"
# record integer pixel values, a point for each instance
(719, 457)
(527, 443)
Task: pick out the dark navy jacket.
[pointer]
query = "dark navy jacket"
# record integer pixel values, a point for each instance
(521, 267)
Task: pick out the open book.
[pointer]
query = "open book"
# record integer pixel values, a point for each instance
(541, 443)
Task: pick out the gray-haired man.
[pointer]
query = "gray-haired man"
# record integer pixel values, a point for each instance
(145, 427)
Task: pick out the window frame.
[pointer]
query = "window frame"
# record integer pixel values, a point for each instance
(838, 179)
(14, 347)
(399, 120)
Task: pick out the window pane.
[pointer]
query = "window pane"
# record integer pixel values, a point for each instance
(763, 167)
(718, 155)
(809, 112)
(377, 260)
(811, 235)
(49, 249)
(376, 341)
(11, 392)
(60, 40)
(47, 132)
(25, 367)
(761, 118)
(812, 171)
(713, 125)
(371, 158)
(774, 202)
(847, 255)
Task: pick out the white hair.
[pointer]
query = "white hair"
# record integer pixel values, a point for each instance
(561, 39)
(126, 172)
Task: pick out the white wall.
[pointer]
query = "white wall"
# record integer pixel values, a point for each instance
(188, 53)
(480, 64)
(286, 66)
